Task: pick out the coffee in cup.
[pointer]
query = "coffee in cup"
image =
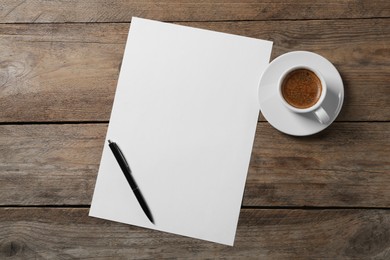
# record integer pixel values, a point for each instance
(302, 90)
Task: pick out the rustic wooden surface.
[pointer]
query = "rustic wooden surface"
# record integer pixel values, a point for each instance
(346, 165)
(323, 196)
(49, 71)
(58, 233)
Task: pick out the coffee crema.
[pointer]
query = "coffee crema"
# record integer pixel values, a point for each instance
(301, 88)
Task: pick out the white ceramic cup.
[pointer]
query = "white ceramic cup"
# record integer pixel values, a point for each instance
(316, 109)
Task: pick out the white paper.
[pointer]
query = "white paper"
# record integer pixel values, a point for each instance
(185, 114)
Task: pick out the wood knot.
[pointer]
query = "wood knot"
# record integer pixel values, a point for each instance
(11, 72)
(369, 241)
(10, 248)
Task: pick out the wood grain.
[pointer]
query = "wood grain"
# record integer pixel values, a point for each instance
(347, 165)
(68, 72)
(54, 164)
(41, 11)
(49, 233)
(59, 72)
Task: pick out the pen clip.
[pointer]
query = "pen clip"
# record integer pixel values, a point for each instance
(120, 153)
(123, 157)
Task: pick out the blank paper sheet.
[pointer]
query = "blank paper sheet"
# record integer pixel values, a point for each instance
(184, 115)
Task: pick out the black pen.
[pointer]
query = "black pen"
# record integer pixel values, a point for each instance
(127, 172)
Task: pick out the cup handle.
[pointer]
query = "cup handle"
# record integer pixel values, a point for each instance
(322, 116)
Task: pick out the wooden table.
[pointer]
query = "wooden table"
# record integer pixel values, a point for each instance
(325, 196)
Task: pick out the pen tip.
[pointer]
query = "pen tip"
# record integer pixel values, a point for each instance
(109, 141)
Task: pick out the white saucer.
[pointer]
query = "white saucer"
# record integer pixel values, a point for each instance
(285, 120)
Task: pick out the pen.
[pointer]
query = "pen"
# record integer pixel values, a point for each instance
(127, 172)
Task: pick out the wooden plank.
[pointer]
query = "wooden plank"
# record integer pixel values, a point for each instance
(59, 72)
(41, 11)
(55, 233)
(347, 165)
(49, 164)
(68, 72)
